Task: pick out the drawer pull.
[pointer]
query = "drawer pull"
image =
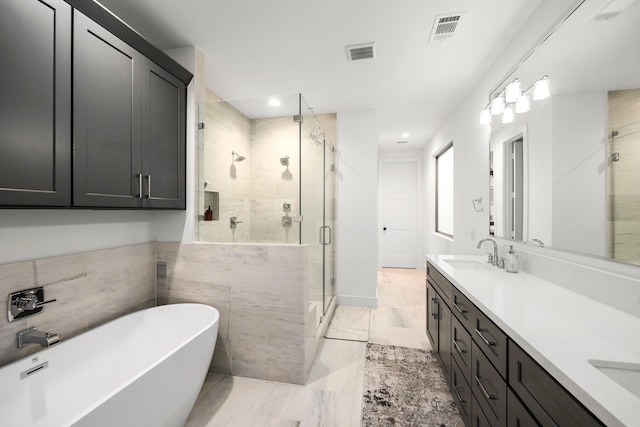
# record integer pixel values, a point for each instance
(486, 341)
(455, 344)
(455, 390)
(483, 390)
(457, 307)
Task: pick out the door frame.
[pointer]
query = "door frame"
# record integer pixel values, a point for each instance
(419, 204)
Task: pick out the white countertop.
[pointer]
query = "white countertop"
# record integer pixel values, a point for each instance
(560, 329)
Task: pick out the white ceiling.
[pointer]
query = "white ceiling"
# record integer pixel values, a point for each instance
(258, 48)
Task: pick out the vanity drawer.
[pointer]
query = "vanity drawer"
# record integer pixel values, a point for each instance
(442, 285)
(462, 308)
(491, 340)
(546, 399)
(461, 393)
(517, 414)
(478, 419)
(461, 347)
(488, 388)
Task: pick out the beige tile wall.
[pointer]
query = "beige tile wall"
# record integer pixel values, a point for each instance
(90, 288)
(261, 292)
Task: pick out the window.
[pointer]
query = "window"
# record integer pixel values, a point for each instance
(444, 191)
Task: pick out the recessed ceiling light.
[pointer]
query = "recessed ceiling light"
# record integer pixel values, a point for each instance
(274, 102)
(405, 135)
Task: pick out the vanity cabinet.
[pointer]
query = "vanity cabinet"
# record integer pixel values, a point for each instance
(493, 381)
(121, 144)
(35, 105)
(545, 398)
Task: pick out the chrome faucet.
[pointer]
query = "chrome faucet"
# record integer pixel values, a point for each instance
(34, 336)
(493, 259)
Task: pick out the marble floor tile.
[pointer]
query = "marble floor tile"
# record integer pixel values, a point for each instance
(333, 393)
(349, 323)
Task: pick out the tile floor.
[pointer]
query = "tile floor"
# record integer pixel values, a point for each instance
(333, 393)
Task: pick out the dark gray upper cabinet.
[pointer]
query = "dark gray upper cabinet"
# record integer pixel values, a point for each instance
(35, 105)
(163, 138)
(121, 144)
(106, 118)
(129, 125)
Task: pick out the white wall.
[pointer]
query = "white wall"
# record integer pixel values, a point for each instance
(357, 237)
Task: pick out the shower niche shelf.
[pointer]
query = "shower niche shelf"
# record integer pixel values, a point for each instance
(212, 200)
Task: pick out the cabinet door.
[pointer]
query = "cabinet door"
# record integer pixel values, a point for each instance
(445, 339)
(35, 105)
(106, 112)
(163, 138)
(433, 316)
(517, 414)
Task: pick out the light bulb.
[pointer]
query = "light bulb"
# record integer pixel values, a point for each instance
(508, 115)
(497, 106)
(541, 89)
(523, 104)
(512, 91)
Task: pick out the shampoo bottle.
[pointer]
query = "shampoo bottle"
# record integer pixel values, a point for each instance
(511, 261)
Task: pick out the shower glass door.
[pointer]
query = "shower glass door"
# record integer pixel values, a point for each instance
(317, 207)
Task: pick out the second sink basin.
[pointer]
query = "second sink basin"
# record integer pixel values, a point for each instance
(625, 374)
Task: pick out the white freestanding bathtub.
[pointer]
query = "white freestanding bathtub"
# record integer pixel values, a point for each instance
(143, 369)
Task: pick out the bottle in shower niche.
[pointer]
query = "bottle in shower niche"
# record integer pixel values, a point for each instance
(511, 261)
(208, 214)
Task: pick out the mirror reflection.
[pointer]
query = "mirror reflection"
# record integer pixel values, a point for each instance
(567, 171)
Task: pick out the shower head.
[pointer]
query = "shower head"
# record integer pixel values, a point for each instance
(284, 161)
(237, 157)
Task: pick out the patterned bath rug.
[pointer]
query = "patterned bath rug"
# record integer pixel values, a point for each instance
(349, 323)
(406, 387)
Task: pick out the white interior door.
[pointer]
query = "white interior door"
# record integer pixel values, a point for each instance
(399, 182)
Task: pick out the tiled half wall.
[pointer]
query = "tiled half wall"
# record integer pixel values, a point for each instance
(91, 288)
(261, 291)
(266, 329)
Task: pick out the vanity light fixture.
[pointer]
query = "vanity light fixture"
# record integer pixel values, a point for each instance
(512, 91)
(541, 89)
(512, 99)
(508, 115)
(497, 105)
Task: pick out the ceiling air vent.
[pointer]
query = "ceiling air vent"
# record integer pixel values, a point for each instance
(402, 142)
(356, 52)
(444, 26)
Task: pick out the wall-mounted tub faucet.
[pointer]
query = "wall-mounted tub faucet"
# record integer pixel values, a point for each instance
(34, 336)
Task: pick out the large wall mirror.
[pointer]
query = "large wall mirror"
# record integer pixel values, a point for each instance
(567, 172)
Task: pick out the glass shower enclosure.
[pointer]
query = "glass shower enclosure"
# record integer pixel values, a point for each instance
(268, 175)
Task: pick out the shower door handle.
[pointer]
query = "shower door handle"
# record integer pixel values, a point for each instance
(322, 235)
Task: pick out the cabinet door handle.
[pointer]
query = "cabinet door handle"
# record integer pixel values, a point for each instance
(483, 390)
(455, 344)
(148, 186)
(455, 390)
(435, 308)
(139, 176)
(486, 341)
(458, 308)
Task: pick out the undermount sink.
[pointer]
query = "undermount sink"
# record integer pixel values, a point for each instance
(625, 374)
(467, 264)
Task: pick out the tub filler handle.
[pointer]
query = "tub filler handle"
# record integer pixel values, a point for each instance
(26, 303)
